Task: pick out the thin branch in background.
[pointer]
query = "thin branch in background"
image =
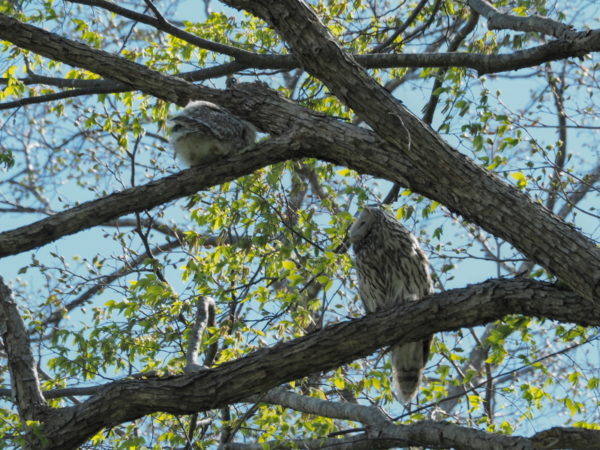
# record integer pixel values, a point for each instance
(165, 26)
(60, 96)
(408, 22)
(114, 87)
(488, 402)
(557, 87)
(103, 282)
(128, 35)
(585, 185)
(434, 97)
(156, 12)
(417, 31)
(431, 106)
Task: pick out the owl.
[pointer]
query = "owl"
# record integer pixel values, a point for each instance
(204, 132)
(392, 269)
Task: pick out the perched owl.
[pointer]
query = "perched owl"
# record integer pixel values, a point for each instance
(392, 269)
(204, 132)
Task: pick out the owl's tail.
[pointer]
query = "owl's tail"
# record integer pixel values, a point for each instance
(408, 362)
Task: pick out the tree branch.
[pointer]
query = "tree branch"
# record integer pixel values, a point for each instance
(500, 21)
(438, 435)
(579, 191)
(326, 349)
(163, 25)
(103, 282)
(141, 198)
(398, 31)
(472, 186)
(52, 46)
(23, 373)
(368, 415)
(92, 87)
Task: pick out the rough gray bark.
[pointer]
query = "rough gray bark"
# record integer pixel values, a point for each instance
(458, 183)
(140, 198)
(23, 373)
(326, 349)
(381, 432)
(427, 433)
(438, 435)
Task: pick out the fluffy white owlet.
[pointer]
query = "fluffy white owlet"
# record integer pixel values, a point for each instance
(204, 132)
(392, 269)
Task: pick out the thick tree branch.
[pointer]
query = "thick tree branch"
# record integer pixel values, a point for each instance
(323, 350)
(23, 373)
(584, 43)
(439, 435)
(368, 415)
(576, 261)
(141, 198)
(481, 63)
(564, 437)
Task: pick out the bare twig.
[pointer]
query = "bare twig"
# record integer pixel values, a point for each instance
(557, 89)
(411, 18)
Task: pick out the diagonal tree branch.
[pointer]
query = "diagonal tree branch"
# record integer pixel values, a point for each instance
(141, 198)
(98, 61)
(577, 45)
(576, 261)
(104, 281)
(438, 435)
(91, 87)
(241, 55)
(580, 190)
(323, 350)
(368, 415)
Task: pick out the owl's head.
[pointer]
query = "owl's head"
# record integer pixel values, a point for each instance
(188, 116)
(364, 222)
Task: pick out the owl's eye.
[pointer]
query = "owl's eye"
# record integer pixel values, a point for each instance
(177, 127)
